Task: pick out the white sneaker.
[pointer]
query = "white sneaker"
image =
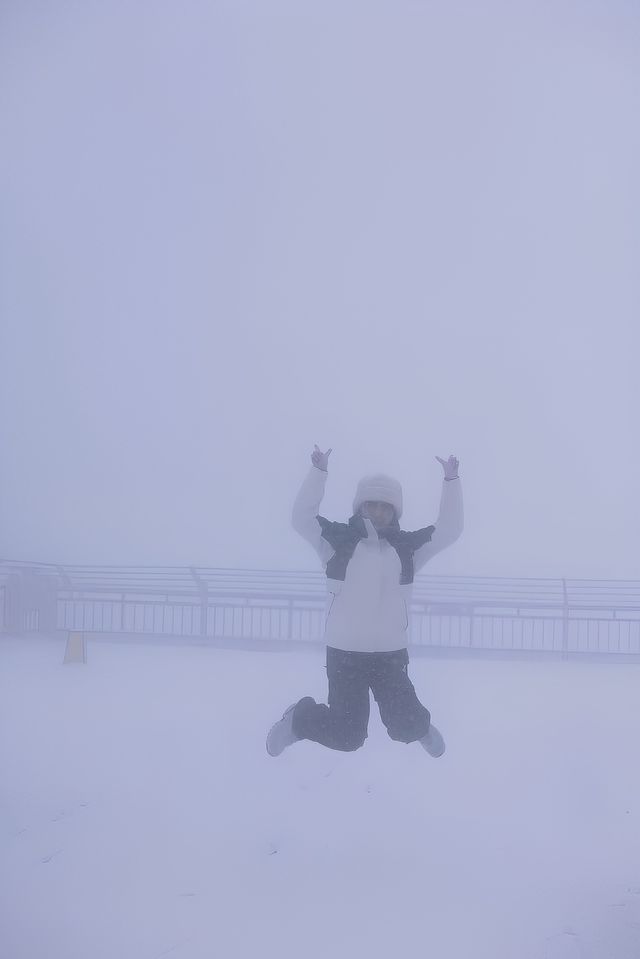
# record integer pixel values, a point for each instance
(281, 733)
(433, 742)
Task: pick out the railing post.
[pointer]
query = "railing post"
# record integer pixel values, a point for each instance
(565, 620)
(203, 590)
(290, 618)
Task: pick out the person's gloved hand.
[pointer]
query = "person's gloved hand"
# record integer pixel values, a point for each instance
(449, 466)
(319, 459)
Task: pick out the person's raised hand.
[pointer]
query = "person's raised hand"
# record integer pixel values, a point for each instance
(319, 459)
(449, 466)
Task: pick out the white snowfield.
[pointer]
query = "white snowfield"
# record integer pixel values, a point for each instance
(142, 818)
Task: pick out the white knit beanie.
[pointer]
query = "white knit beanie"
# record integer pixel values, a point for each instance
(379, 489)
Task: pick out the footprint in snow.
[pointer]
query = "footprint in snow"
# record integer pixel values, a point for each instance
(49, 858)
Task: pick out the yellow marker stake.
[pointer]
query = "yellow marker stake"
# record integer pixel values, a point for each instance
(76, 648)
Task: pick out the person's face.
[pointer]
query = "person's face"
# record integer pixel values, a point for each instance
(380, 514)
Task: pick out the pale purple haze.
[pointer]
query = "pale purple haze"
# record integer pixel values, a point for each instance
(231, 230)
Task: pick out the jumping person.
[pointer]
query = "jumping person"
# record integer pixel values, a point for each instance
(370, 565)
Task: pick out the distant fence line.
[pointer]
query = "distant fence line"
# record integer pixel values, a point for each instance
(563, 616)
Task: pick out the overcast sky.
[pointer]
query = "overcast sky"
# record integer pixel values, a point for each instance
(232, 230)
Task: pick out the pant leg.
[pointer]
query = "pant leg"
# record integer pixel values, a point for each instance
(406, 719)
(343, 723)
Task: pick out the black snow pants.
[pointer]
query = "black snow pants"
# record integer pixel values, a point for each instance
(343, 723)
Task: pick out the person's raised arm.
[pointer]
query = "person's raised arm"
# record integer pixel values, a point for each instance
(307, 504)
(450, 521)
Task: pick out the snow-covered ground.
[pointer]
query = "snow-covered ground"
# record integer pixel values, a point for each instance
(141, 817)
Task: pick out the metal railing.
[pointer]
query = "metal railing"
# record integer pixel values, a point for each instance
(561, 616)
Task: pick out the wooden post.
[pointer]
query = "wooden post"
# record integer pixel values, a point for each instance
(76, 648)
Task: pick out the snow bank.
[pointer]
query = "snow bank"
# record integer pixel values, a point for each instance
(142, 817)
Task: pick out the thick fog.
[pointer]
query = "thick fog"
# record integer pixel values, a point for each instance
(232, 230)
